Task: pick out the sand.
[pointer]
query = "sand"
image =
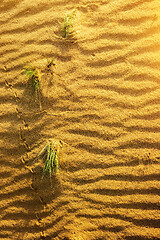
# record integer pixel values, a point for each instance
(101, 100)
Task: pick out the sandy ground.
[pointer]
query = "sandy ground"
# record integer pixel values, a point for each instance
(101, 100)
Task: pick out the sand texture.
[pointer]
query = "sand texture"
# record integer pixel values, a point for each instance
(99, 103)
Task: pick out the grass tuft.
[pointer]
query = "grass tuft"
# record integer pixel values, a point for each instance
(32, 75)
(34, 81)
(50, 156)
(67, 25)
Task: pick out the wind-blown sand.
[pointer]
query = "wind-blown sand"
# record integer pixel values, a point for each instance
(102, 101)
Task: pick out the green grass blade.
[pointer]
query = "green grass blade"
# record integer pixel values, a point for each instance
(51, 159)
(43, 151)
(67, 25)
(29, 72)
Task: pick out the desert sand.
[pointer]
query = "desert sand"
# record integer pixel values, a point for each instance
(100, 102)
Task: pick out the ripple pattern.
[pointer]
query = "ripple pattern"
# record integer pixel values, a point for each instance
(102, 101)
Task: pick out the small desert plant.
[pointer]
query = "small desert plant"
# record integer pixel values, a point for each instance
(33, 80)
(50, 155)
(67, 25)
(32, 75)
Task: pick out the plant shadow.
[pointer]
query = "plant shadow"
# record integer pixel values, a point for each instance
(47, 188)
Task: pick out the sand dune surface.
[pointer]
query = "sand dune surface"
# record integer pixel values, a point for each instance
(99, 103)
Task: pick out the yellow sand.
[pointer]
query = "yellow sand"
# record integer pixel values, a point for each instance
(101, 100)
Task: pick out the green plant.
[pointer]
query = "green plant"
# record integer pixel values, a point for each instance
(67, 25)
(50, 155)
(34, 81)
(32, 75)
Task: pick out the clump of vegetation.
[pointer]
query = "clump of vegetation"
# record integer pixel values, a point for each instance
(33, 77)
(67, 25)
(50, 156)
(33, 80)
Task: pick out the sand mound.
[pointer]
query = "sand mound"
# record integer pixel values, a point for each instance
(101, 100)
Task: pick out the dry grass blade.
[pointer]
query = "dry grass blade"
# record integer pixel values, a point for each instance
(50, 63)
